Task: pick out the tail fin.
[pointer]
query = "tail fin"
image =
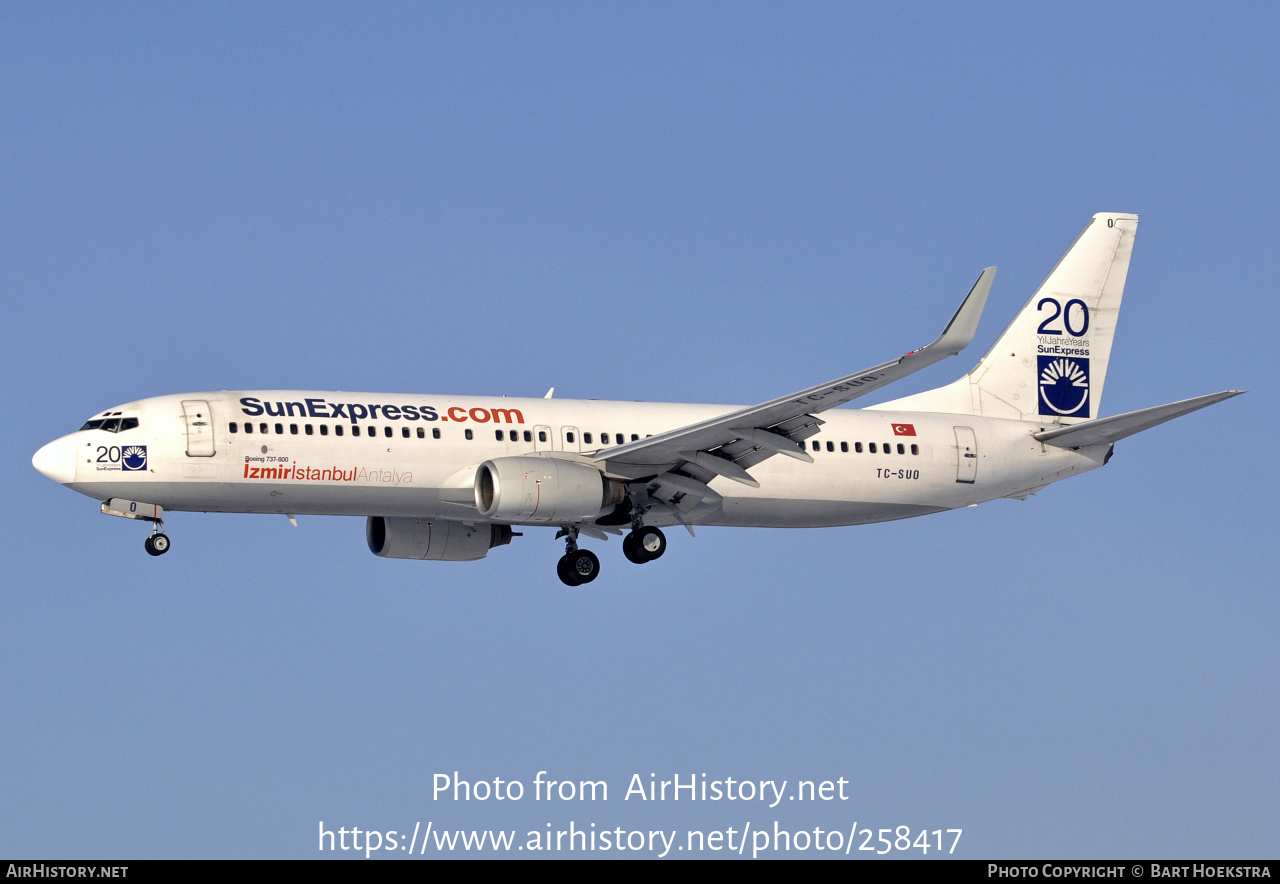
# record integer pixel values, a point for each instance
(1050, 363)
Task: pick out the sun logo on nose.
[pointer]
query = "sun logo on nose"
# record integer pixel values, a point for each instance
(133, 457)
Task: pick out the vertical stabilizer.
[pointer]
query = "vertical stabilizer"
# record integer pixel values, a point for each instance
(1049, 365)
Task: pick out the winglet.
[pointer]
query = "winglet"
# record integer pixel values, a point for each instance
(962, 327)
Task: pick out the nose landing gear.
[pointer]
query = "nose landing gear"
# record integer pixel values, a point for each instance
(158, 543)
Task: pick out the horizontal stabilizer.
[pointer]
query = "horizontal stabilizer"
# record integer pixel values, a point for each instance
(1112, 429)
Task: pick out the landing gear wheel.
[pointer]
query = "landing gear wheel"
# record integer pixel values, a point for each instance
(631, 549)
(650, 543)
(157, 544)
(581, 566)
(565, 572)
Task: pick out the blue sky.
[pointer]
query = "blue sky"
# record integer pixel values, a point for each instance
(665, 202)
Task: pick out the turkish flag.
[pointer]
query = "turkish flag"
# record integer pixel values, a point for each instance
(904, 429)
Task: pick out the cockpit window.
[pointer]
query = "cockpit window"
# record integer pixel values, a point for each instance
(111, 424)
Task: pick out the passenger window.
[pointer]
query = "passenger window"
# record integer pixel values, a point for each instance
(844, 446)
(337, 430)
(604, 437)
(497, 434)
(262, 428)
(404, 431)
(469, 434)
(888, 448)
(386, 431)
(422, 434)
(831, 446)
(248, 427)
(308, 429)
(279, 429)
(871, 447)
(635, 438)
(293, 429)
(233, 426)
(901, 448)
(324, 429)
(128, 423)
(568, 437)
(586, 437)
(528, 437)
(542, 435)
(817, 446)
(435, 432)
(915, 449)
(355, 430)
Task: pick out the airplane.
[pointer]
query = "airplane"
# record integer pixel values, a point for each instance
(451, 477)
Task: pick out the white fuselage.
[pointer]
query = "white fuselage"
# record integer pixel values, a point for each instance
(417, 456)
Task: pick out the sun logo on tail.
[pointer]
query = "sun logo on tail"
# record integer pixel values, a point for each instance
(1064, 386)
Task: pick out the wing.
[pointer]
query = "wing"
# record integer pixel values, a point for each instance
(731, 443)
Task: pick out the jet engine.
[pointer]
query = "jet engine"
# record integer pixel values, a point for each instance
(394, 537)
(544, 489)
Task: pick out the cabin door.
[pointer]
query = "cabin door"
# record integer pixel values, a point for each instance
(199, 421)
(966, 455)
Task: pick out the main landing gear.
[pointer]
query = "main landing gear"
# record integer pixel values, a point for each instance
(158, 543)
(579, 566)
(576, 566)
(644, 545)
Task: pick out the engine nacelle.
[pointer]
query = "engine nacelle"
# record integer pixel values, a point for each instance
(544, 489)
(441, 540)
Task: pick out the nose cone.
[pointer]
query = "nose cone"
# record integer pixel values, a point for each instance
(57, 460)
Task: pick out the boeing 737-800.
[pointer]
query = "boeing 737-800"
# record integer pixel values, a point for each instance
(450, 477)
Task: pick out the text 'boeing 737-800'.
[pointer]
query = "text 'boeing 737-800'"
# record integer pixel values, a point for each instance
(450, 477)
